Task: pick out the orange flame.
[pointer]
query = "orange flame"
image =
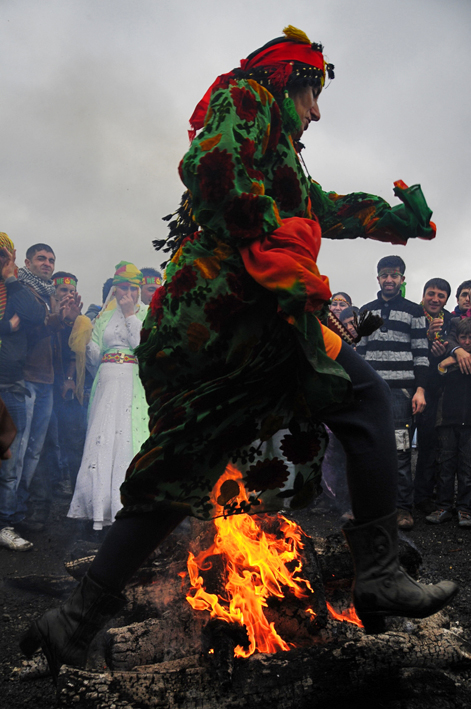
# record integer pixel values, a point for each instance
(347, 616)
(256, 564)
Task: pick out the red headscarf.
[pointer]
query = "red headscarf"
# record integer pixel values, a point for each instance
(278, 55)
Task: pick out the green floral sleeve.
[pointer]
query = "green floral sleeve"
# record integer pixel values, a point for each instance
(370, 217)
(224, 167)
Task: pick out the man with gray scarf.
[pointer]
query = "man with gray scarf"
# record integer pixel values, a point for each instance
(19, 314)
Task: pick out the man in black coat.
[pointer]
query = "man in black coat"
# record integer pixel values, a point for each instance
(19, 313)
(435, 296)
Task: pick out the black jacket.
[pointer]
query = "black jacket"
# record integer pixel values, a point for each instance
(454, 405)
(14, 345)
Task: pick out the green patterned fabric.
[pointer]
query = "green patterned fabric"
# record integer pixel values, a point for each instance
(226, 363)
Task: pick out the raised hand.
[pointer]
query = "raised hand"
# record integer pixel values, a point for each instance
(7, 263)
(126, 303)
(70, 307)
(15, 323)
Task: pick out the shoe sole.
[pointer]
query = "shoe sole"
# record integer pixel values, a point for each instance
(439, 521)
(375, 623)
(21, 549)
(32, 641)
(404, 525)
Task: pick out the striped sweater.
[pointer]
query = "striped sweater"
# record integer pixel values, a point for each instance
(398, 350)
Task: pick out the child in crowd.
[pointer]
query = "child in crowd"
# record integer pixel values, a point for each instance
(454, 435)
(347, 318)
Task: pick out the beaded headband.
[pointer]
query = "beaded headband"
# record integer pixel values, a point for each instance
(66, 280)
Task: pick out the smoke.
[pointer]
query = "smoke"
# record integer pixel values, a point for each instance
(96, 99)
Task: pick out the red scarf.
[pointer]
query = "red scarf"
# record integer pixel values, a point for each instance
(279, 56)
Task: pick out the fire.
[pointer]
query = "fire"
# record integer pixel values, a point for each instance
(258, 566)
(347, 616)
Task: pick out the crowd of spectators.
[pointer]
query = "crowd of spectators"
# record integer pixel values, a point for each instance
(45, 387)
(422, 350)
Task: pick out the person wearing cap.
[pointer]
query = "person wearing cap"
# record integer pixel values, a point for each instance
(398, 351)
(117, 420)
(20, 313)
(233, 350)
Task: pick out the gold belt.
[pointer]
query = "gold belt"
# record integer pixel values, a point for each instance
(119, 358)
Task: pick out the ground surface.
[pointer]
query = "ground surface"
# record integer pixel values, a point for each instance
(446, 550)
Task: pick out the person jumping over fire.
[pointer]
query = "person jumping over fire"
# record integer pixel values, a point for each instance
(234, 350)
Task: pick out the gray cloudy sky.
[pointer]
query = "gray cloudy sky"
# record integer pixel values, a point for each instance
(96, 96)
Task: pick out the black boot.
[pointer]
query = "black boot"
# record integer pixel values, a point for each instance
(65, 633)
(381, 586)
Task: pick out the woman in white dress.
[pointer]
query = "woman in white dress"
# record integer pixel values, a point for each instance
(117, 416)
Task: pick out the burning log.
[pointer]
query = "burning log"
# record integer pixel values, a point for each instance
(253, 573)
(395, 662)
(250, 612)
(161, 658)
(77, 568)
(81, 556)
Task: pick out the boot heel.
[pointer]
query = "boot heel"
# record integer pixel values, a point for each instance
(373, 624)
(31, 641)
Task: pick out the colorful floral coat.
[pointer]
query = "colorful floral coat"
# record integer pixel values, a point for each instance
(232, 351)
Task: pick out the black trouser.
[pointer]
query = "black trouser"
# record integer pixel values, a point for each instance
(426, 468)
(454, 462)
(364, 427)
(401, 402)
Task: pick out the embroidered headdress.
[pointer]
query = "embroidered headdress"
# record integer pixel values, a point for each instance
(127, 272)
(5, 243)
(283, 62)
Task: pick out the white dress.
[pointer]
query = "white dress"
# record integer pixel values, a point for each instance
(117, 419)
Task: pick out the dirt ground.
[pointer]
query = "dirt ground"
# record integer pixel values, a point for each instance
(446, 551)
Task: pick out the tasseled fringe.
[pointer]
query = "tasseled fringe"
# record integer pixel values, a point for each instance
(329, 68)
(366, 323)
(180, 227)
(296, 35)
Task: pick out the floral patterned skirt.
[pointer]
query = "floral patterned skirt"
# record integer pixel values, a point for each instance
(195, 431)
(227, 380)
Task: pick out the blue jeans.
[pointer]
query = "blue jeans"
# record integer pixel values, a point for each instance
(10, 470)
(402, 415)
(50, 470)
(38, 413)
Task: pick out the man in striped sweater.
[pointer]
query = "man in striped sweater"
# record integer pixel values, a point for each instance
(398, 351)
